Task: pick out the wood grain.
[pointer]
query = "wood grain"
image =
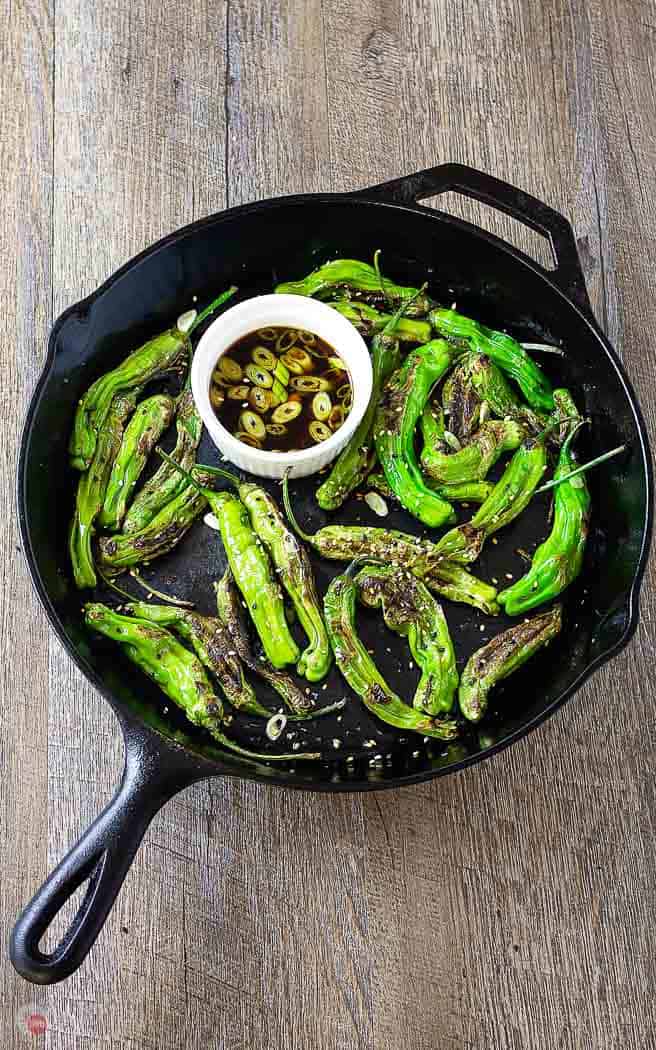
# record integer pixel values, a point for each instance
(509, 906)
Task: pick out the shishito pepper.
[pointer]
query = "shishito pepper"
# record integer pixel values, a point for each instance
(404, 398)
(500, 657)
(452, 581)
(557, 562)
(123, 550)
(252, 571)
(360, 671)
(458, 492)
(409, 609)
(166, 483)
(461, 404)
(351, 466)
(211, 643)
(294, 571)
(352, 277)
(92, 487)
(177, 671)
(167, 352)
(368, 321)
(474, 460)
(149, 421)
(505, 351)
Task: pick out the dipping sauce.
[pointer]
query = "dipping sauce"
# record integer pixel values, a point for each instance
(281, 389)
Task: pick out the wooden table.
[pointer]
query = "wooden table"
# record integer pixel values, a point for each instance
(513, 905)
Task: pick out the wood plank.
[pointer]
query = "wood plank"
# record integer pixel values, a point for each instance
(26, 58)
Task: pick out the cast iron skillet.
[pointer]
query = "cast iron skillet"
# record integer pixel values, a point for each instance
(255, 246)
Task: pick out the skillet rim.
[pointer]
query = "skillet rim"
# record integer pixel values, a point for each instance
(133, 728)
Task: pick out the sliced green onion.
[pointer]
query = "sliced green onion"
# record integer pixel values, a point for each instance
(336, 417)
(286, 412)
(263, 357)
(276, 429)
(319, 431)
(217, 396)
(309, 384)
(252, 424)
(232, 370)
(281, 373)
(259, 376)
(260, 399)
(238, 393)
(247, 439)
(321, 406)
(267, 334)
(286, 340)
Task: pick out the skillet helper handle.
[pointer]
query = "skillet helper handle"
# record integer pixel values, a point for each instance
(103, 855)
(410, 189)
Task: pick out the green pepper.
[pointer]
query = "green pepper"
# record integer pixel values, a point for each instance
(432, 427)
(459, 492)
(452, 581)
(166, 483)
(500, 657)
(167, 352)
(410, 610)
(557, 562)
(475, 459)
(92, 487)
(161, 535)
(509, 497)
(403, 401)
(565, 413)
(299, 702)
(353, 277)
(352, 464)
(494, 391)
(211, 642)
(368, 321)
(178, 672)
(505, 351)
(295, 572)
(360, 671)
(150, 420)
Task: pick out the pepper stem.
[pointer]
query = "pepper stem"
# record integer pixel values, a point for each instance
(214, 305)
(286, 502)
(170, 599)
(581, 470)
(220, 473)
(379, 275)
(185, 473)
(114, 586)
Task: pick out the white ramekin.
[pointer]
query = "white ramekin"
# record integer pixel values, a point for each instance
(294, 311)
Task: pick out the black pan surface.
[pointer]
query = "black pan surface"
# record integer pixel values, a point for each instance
(255, 247)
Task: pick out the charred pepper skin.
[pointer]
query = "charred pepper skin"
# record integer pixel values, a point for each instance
(177, 671)
(452, 581)
(404, 398)
(493, 390)
(122, 551)
(557, 562)
(211, 643)
(166, 483)
(368, 321)
(409, 609)
(91, 490)
(357, 280)
(295, 573)
(475, 459)
(505, 351)
(458, 492)
(461, 404)
(500, 657)
(149, 421)
(352, 464)
(361, 673)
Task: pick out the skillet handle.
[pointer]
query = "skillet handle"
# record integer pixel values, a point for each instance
(103, 855)
(409, 189)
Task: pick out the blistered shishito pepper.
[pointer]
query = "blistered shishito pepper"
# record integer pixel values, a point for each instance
(166, 483)
(359, 280)
(404, 398)
(565, 413)
(229, 612)
(211, 643)
(500, 399)
(149, 421)
(92, 487)
(177, 671)
(123, 550)
(294, 570)
(167, 352)
(505, 351)
(509, 497)
(557, 562)
(458, 492)
(351, 466)
(360, 671)
(474, 460)
(409, 609)
(368, 321)
(500, 657)
(452, 581)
